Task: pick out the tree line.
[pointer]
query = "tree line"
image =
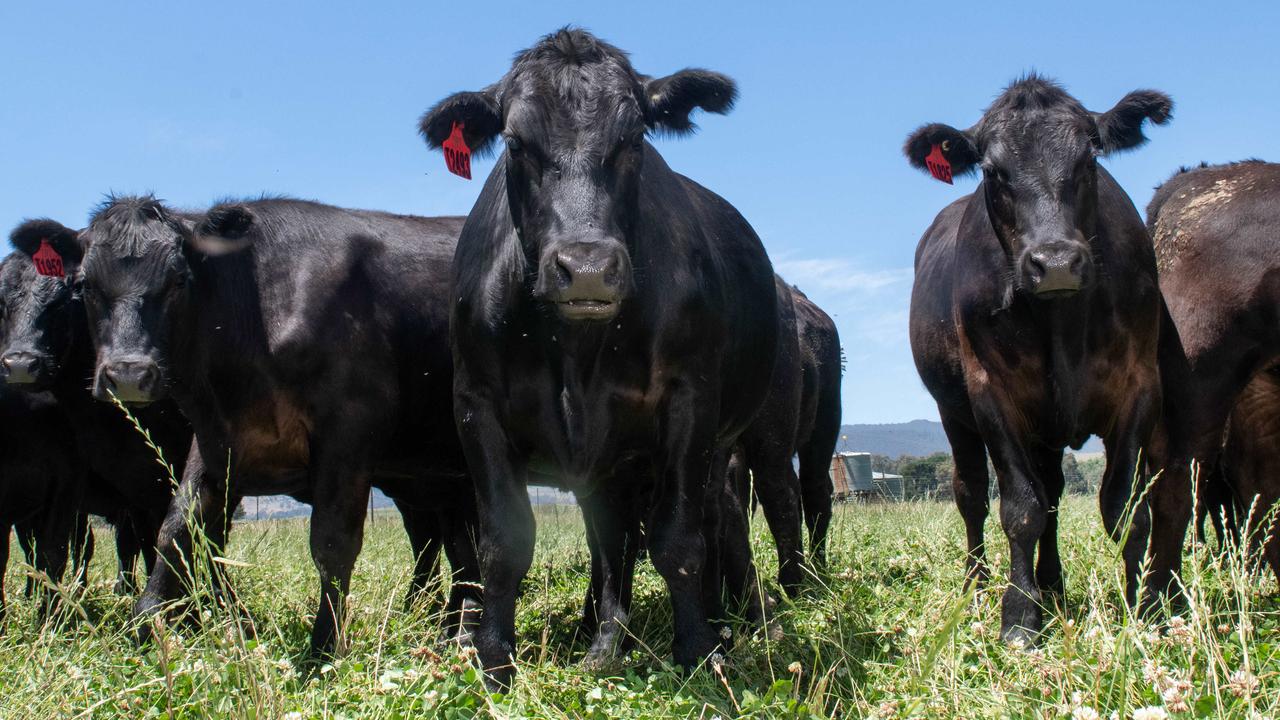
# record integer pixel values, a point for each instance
(930, 475)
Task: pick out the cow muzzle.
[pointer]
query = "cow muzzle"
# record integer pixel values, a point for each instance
(1056, 269)
(587, 281)
(133, 381)
(23, 368)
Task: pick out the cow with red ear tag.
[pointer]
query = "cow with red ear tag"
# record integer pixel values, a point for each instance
(307, 344)
(47, 348)
(606, 310)
(1035, 318)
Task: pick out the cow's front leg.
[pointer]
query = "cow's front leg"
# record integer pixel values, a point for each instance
(611, 533)
(1024, 513)
(506, 528)
(459, 527)
(970, 485)
(778, 488)
(1117, 498)
(736, 561)
(1049, 563)
(424, 542)
(340, 495)
(128, 546)
(676, 544)
(200, 502)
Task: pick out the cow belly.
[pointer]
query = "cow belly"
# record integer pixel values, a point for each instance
(271, 442)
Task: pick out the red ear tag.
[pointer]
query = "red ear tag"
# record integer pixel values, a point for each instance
(48, 261)
(938, 166)
(457, 156)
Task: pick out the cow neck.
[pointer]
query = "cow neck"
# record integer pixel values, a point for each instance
(579, 356)
(1066, 323)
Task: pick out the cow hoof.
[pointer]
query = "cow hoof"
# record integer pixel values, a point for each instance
(462, 637)
(606, 650)
(792, 579)
(599, 659)
(690, 652)
(978, 576)
(498, 679)
(147, 613)
(1019, 638)
(498, 660)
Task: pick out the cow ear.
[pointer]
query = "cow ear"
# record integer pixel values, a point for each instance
(28, 237)
(672, 99)
(956, 146)
(1120, 128)
(224, 229)
(477, 112)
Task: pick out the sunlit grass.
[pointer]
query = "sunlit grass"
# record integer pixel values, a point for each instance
(890, 633)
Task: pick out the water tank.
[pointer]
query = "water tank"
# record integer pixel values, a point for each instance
(859, 465)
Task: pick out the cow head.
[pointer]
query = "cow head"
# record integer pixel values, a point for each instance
(573, 115)
(39, 289)
(1037, 148)
(136, 272)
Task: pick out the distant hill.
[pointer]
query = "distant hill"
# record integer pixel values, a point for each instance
(918, 437)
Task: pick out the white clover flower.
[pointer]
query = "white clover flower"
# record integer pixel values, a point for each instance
(1242, 683)
(1151, 712)
(1174, 700)
(1085, 713)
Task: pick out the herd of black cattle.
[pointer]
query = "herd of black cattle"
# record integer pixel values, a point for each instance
(604, 324)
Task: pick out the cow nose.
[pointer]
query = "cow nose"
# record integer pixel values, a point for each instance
(130, 380)
(590, 279)
(1055, 270)
(21, 368)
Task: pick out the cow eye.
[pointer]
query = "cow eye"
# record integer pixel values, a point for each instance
(514, 146)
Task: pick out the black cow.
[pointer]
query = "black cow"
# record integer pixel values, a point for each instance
(607, 309)
(1035, 319)
(307, 346)
(41, 481)
(1215, 231)
(800, 416)
(47, 347)
(818, 427)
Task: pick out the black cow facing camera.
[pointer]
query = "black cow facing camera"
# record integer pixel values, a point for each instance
(1035, 318)
(46, 347)
(607, 309)
(307, 345)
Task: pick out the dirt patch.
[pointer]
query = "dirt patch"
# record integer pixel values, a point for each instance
(1174, 228)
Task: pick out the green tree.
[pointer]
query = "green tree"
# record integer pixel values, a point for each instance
(1075, 482)
(1091, 470)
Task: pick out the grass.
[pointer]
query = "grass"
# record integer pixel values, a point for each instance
(891, 633)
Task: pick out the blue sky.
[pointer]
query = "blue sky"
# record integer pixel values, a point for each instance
(200, 101)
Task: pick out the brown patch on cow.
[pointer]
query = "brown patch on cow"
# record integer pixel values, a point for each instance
(273, 437)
